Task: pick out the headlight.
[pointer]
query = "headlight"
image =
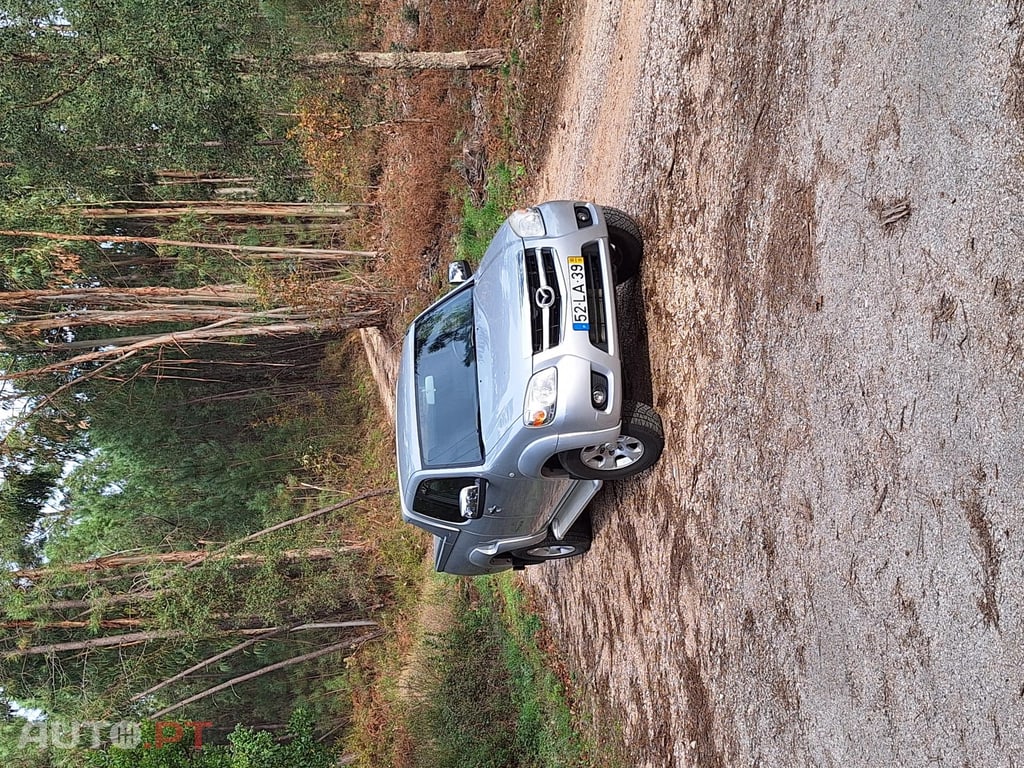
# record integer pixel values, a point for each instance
(541, 395)
(527, 222)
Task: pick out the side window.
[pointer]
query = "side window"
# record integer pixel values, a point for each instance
(440, 498)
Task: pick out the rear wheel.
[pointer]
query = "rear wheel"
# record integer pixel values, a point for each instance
(625, 243)
(639, 444)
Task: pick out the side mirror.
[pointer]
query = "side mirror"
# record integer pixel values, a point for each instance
(459, 272)
(471, 500)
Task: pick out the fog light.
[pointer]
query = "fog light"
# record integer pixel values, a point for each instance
(598, 390)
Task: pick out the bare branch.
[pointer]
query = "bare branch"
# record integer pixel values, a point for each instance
(301, 519)
(344, 645)
(247, 644)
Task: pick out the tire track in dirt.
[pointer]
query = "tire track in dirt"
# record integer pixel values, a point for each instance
(826, 568)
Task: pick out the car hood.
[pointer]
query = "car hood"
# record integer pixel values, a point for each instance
(503, 347)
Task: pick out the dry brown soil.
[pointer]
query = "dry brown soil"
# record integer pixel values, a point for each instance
(827, 566)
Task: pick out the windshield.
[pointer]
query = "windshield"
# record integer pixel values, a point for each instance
(447, 403)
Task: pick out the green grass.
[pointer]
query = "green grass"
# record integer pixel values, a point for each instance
(545, 728)
(491, 700)
(480, 222)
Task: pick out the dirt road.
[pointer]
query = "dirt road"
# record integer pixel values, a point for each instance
(827, 567)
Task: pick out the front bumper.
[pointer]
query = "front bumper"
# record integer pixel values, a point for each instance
(579, 354)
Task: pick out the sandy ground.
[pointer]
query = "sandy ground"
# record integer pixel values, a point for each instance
(827, 567)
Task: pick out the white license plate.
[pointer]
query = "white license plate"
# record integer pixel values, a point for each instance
(578, 295)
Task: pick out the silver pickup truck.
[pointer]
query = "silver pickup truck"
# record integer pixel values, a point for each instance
(509, 411)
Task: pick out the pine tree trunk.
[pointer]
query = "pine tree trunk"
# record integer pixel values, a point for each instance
(179, 558)
(481, 58)
(210, 208)
(76, 624)
(227, 247)
(232, 294)
(122, 640)
(68, 605)
(109, 641)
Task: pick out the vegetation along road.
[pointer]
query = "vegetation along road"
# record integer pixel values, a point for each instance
(826, 566)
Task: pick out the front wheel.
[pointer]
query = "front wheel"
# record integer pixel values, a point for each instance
(626, 244)
(639, 444)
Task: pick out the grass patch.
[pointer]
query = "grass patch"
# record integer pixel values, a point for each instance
(486, 697)
(545, 727)
(481, 221)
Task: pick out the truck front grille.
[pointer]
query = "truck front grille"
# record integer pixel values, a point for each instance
(545, 298)
(596, 296)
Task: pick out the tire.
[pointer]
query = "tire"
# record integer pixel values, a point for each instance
(576, 542)
(638, 446)
(625, 243)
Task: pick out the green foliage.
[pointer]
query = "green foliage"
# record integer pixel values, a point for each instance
(26, 263)
(98, 94)
(177, 747)
(162, 468)
(199, 447)
(173, 749)
(480, 222)
(143, 78)
(252, 749)
(195, 266)
(13, 753)
(316, 24)
(466, 717)
(168, 464)
(545, 724)
(491, 701)
(23, 494)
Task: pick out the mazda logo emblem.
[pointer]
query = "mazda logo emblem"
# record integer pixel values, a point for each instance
(545, 296)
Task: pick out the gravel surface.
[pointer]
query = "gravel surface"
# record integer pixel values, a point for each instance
(826, 567)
